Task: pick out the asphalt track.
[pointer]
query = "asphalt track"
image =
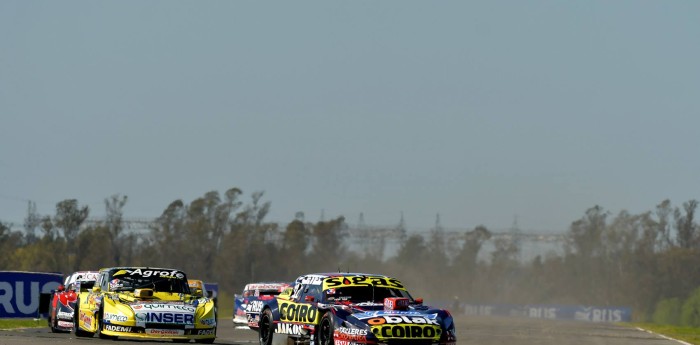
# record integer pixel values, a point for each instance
(470, 331)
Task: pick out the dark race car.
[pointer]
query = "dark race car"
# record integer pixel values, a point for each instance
(351, 309)
(248, 300)
(63, 300)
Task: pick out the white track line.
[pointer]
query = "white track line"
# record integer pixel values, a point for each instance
(663, 336)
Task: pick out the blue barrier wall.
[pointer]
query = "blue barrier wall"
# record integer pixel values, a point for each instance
(20, 292)
(214, 288)
(562, 312)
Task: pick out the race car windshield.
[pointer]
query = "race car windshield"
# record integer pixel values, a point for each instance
(269, 292)
(86, 286)
(157, 283)
(362, 294)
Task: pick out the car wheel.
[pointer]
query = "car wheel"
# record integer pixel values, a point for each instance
(53, 324)
(325, 329)
(266, 327)
(76, 325)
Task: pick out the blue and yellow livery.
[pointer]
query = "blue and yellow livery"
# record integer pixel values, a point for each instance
(350, 309)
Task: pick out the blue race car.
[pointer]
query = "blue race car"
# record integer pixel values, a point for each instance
(351, 309)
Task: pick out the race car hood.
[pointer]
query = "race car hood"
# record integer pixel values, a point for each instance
(161, 307)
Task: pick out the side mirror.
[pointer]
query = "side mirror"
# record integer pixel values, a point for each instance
(309, 298)
(96, 288)
(61, 288)
(419, 300)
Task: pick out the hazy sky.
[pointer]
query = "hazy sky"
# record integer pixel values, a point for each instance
(478, 111)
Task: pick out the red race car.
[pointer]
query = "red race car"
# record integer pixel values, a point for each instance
(62, 306)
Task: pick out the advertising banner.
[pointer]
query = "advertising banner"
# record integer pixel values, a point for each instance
(213, 288)
(21, 292)
(562, 312)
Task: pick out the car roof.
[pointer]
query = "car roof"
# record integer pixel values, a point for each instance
(139, 267)
(345, 274)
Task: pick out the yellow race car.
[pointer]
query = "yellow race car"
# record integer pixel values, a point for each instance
(145, 303)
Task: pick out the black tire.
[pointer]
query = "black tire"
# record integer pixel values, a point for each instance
(205, 341)
(76, 329)
(53, 323)
(325, 329)
(266, 328)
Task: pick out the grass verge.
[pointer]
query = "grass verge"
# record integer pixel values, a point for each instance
(688, 334)
(22, 323)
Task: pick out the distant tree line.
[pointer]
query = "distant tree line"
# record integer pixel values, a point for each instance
(646, 261)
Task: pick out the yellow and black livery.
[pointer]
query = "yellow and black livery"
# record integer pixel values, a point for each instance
(145, 303)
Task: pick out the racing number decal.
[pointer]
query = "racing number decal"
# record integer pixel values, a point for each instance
(363, 280)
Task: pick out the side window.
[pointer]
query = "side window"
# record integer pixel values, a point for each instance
(312, 291)
(298, 290)
(103, 281)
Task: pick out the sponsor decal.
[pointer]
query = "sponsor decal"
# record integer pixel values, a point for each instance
(206, 331)
(176, 318)
(352, 331)
(162, 307)
(289, 328)
(85, 318)
(345, 342)
(401, 319)
(64, 315)
(149, 273)
(157, 331)
(253, 287)
(298, 313)
(86, 276)
(65, 324)
(114, 317)
(407, 331)
(116, 328)
(208, 322)
(254, 307)
(381, 281)
(372, 314)
(354, 334)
